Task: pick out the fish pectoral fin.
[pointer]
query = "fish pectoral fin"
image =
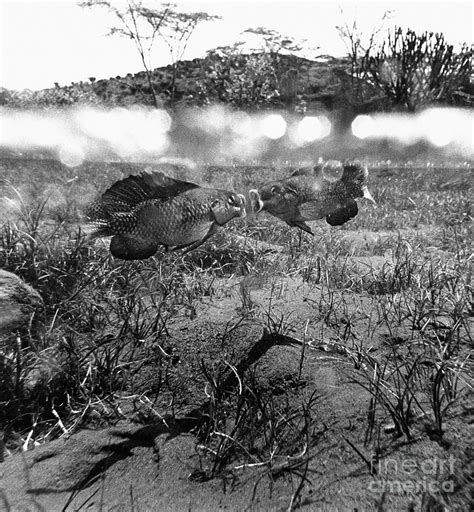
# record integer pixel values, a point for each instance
(193, 246)
(223, 216)
(190, 247)
(302, 225)
(127, 247)
(288, 215)
(311, 210)
(344, 214)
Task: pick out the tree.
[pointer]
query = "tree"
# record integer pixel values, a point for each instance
(144, 25)
(239, 79)
(402, 70)
(275, 46)
(355, 91)
(252, 76)
(175, 30)
(415, 70)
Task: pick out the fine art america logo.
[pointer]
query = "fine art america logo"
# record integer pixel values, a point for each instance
(411, 476)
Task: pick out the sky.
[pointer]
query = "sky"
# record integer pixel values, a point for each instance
(43, 42)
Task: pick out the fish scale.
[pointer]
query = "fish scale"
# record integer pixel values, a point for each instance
(170, 221)
(123, 222)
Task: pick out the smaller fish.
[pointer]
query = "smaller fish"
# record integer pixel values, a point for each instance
(151, 209)
(307, 195)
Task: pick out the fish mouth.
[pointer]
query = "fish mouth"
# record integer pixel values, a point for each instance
(242, 210)
(256, 202)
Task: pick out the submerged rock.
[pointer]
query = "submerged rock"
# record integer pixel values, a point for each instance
(18, 301)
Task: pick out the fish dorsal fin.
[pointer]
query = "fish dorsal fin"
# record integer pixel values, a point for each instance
(144, 186)
(303, 172)
(354, 172)
(315, 172)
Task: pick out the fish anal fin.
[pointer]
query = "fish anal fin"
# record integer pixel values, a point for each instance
(95, 230)
(343, 215)
(127, 247)
(302, 225)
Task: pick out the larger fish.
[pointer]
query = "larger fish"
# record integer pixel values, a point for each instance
(307, 195)
(148, 210)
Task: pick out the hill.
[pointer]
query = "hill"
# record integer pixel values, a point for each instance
(241, 80)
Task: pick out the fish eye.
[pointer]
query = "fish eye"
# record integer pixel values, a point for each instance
(275, 190)
(231, 200)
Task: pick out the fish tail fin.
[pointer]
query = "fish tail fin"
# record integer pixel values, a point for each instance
(108, 216)
(94, 230)
(354, 177)
(97, 223)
